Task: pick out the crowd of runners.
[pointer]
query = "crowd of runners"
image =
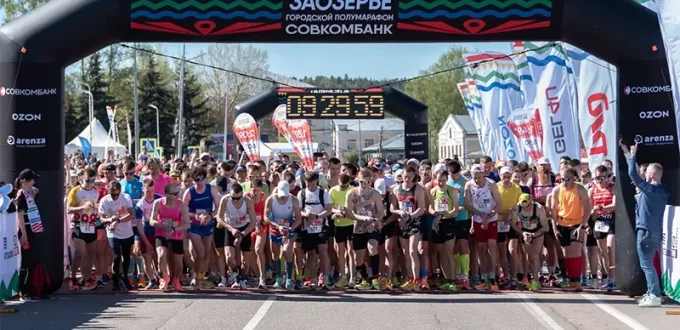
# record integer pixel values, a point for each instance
(388, 225)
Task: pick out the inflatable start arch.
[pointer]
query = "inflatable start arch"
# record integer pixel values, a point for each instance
(35, 49)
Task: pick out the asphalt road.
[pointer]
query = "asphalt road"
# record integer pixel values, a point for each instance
(334, 310)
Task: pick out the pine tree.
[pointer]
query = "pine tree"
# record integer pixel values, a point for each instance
(75, 111)
(196, 120)
(154, 90)
(99, 86)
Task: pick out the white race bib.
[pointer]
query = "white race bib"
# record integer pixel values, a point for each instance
(86, 228)
(441, 206)
(530, 225)
(601, 226)
(503, 226)
(315, 226)
(241, 221)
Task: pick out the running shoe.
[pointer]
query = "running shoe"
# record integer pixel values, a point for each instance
(409, 286)
(232, 278)
(342, 282)
(74, 287)
(584, 280)
(424, 285)
(236, 285)
(482, 286)
(534, 286)
(290, 286)
(101, 283)
(126, 283)
(165, 283)
(476, 280)
(278, 284)
(206, 284)
(444, 286)
(388, 285)
(262, 285)
(177, 285)
(465, 284)
(151, 285)
(494, 287)
(141, 282)
(375, 285)
(351, 284)
(363, 285)
(526, 282)
(382, 283)
(308, 282)
(575, 286)
(223, 282)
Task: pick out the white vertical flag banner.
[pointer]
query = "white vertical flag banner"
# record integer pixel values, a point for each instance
(549, 71)
(474, 113)
(499, 88)
(487, 138)
(668, 12)
(526, 83)
(597, 107)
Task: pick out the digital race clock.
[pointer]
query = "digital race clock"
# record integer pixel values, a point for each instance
(320, 103)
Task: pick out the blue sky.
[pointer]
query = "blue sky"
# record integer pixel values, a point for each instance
(356, 60)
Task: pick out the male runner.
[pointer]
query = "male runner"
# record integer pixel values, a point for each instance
(143, 209)
(316, 206)
(364, 206)
(282, 214)
(344, 229)
(427, 260)
(408, 202)
(603, 201)
(484, 201)
(572, 209)
(261, 232)
(507, 236)
(237, 214)
(462, 225)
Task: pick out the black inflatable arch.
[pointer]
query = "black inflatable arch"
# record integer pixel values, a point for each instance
(35, 50)
(397, 103)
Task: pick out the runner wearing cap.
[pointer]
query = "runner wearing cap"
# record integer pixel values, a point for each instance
(462, 226)
(282, 214)
(507, 237)
(241, 174)
(572, 209)
(408, 202)
(483, 200)
(603, 200)
(530, 220)
(316, 207)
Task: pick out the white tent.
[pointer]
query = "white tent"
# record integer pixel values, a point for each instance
(100, 141)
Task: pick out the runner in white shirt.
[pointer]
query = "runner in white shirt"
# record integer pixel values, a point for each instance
(82, 206)
(237, 215)
(117, 214)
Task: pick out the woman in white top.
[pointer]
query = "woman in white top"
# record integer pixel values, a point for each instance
(116, 213)
(237, 215)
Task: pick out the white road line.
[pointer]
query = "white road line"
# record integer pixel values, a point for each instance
(260, 313)
(540, 315)
(625, 319)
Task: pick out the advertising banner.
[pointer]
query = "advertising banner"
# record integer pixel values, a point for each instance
(668, 13)
(416, 141)
(499, 88)
(526, 125)
(523, 73)
(281, 123)
(474, 113)
(301, 136)
(670, 273)
(550, 72)
(485, 126)
(247, 133)
(597, 106)
(11, 249)
(343, 20)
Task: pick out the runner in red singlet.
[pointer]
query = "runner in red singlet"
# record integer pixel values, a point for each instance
(603, 199)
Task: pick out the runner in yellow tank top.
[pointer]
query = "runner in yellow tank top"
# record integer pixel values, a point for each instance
(572, 207)
(508, 237)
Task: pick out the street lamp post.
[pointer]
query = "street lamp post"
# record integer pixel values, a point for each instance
(180, 111)
(158, 125)
(90, 104)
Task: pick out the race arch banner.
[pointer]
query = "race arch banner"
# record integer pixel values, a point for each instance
(342, 20)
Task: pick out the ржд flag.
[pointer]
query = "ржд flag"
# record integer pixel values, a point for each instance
(245, 129)
(472, 111)
(486, 138)
(526, 124)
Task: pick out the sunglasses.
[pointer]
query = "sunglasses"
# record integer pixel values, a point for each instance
(90, 181)
(567, 179)
(115, 194)
(110, 172)
(600, 178)
(199, 179)
(130, 173)
(364, 181)
(236, 197)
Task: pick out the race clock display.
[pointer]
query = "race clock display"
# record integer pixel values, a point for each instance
(319, 103)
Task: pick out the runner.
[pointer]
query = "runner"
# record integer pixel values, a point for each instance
(462, 226)
(170, 217)
(237, 215)
(483, 200)
(444, 208)
(255, 173)
(388, 236)
(603, 199)
(364, 207)
(408, 202)
(316, 206)
(344, 230)
(282, 214)
(542, 185)
(143, 209)
(572, 207)
(201, 200)
(508, 238)
(529, 219)
(427, 260)
(116, 212)
(82, 201)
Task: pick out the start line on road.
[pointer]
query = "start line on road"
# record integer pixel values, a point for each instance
(246, 310)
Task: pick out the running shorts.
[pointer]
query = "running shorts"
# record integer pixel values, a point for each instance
(87, 238)
(462, 228)
(445, 232)
(568, 235)
(176, 246)
(203, 231)
(360, 241)
(488, 234)
(343, 234)
(246, 242)
(410, 228)
(220, 237)
(604, 226)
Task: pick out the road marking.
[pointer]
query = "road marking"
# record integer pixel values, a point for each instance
(625, 319)
(540, 315)
(260, 313)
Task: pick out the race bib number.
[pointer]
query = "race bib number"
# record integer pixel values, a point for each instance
(315, 226)
(503, 226)
(122, 213)
(258, 218)
(441, 206)
(407, 206)
(530, 225)
(285, 222)
(241, 221)
(199, 211)
(602, 226)
(605, 217)
(87, 222)
(86, 228)
(483, 204)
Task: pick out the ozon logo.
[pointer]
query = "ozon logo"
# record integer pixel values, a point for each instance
(26, 117)
(654, 114)
(646, 89)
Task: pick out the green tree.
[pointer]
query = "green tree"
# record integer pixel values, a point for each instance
(75, 111)
(14, 9)
(196, 120)
(99, 87)
(154, 90)
(439, 93)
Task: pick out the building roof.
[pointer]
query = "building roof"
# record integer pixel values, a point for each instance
(395, 143)
(387, 124)
(465, 123)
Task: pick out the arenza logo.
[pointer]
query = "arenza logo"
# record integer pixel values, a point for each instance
(646, 89)
(29, 143)
(656, 140)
